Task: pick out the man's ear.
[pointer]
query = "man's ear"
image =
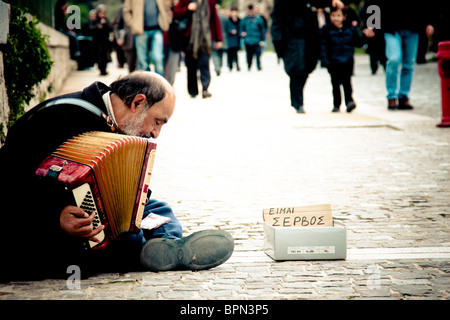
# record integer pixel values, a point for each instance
(138, 102)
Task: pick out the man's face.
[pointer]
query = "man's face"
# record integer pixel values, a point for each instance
(147, 122)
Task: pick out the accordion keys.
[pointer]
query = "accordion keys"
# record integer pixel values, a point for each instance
(85, 200)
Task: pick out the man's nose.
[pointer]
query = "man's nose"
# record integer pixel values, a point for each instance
(155, 132)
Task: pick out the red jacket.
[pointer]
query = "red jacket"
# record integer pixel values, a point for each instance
(180, 11)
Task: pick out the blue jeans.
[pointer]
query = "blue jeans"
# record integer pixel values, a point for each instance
(150, 47)
(401, 49)
(125, 250)
(170, 230)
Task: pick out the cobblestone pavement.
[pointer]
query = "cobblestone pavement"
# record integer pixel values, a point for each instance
(220, 161)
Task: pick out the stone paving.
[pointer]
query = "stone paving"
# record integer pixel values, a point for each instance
(220, 161)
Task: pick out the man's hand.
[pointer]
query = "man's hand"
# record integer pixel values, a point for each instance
(77, 223)
(429, 30)
(192, 6)
(337, 4)
(369, 33)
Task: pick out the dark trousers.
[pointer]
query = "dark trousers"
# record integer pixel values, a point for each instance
(232, 55)
(253, 50)
(296, 85)
(193, 66)
(341, 75)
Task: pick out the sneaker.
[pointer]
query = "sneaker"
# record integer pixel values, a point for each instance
(351, 106)
(200, 251)
(335, 109)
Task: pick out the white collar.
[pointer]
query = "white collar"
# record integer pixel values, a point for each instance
(107, 100)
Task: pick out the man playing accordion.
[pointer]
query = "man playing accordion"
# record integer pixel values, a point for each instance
(43, 232)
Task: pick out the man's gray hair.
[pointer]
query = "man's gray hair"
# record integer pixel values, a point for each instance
(138, 83)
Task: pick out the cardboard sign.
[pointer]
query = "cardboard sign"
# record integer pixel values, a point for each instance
(305, 216)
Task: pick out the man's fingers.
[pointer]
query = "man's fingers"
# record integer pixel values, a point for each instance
(96, 232)
(88, 231)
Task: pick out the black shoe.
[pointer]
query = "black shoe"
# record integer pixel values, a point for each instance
(200, 251)
(403, 104)
(335, 109)
(351, 106)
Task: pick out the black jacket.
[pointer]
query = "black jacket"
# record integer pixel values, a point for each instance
(338, 45)
(295, 34)
(405, 15)
(30, 206)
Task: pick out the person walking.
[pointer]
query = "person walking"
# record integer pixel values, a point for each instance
(339, 39)
(374, 38)
(217, 54)
(203, 27)
(254, 34)
(402, 24)
(125, 41)
(147, 20)
(101, 28)
(233, 38)
(295, 36)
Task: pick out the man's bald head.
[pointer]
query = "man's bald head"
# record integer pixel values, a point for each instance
(142, 103)
(152, 85)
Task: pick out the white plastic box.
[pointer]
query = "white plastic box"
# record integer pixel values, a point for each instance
(306, 243)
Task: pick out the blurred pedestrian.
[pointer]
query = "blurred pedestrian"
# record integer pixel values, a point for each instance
(374, 38)
(254, 34)
(117, 41)
(202, 28)
(233, 38)
(60, 14)
(442, 32)
(339, 39)
(147, 20)
(125, 40)
(100, 30)
(217, 54)
(295, 36)
(402, 23)
(173, 45)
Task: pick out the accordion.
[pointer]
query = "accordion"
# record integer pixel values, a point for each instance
(108, 174)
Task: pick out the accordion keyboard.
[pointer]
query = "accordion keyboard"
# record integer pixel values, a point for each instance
(85, 200)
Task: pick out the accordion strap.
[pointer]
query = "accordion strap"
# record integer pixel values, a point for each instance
(86, 105)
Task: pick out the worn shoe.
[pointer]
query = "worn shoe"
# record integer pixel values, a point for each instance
(351, 106)
(403, 104)
(206, 94)
(300, 109)
(335, 109)
(200, 251)
(392, 104)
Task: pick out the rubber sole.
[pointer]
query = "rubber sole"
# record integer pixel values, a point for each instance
(200, 251)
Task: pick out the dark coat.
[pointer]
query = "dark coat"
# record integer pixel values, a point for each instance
(338, 45)
(403, 15)
(254, 28)
(234, 40)
(31, 237)
(295, 35)
(100, 37)
(180, 12)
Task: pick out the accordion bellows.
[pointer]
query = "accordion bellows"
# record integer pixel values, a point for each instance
(107, 173)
